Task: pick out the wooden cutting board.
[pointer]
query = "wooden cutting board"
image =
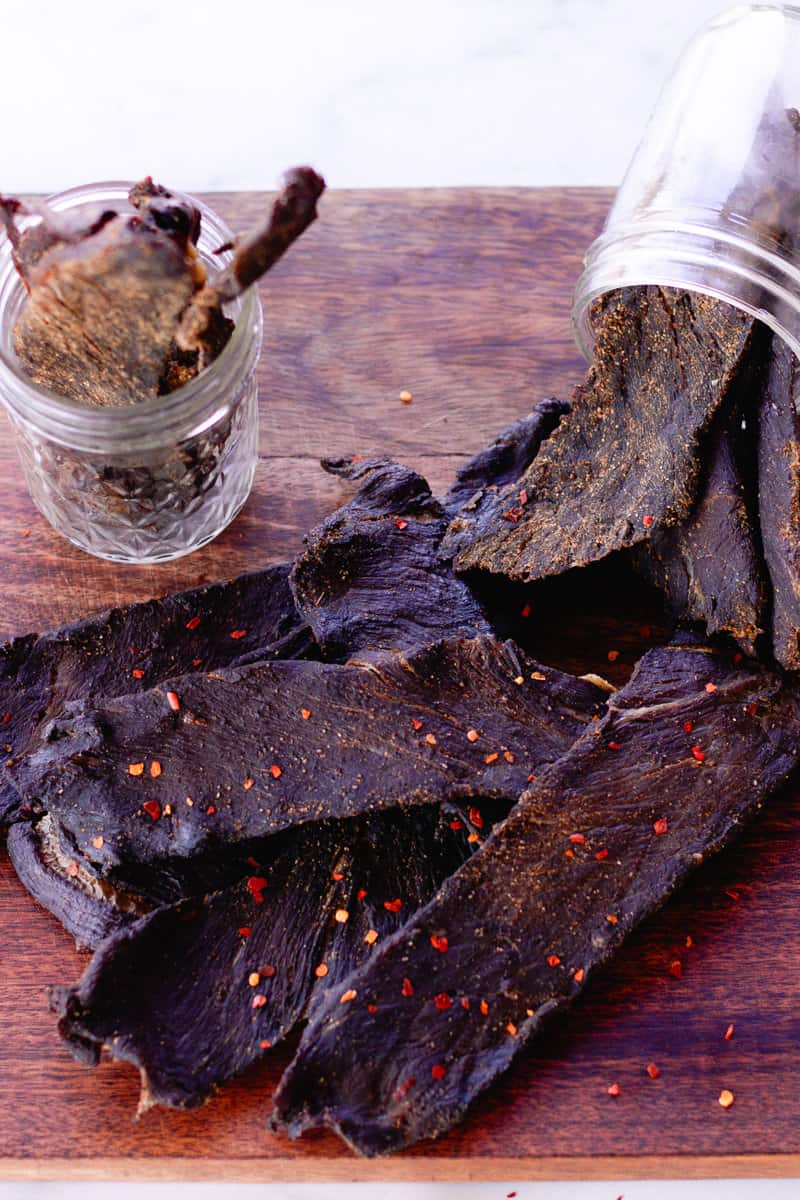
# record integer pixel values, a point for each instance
(462, 297)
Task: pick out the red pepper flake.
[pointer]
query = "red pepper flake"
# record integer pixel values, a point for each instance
(258, 1001)
(511, 1029)
(539, 676)
(238, 633)
(430, 739)
(173, 701)
(473, 838)
(523, 497)
(195, 663)
(341, 916)
(456, 825)
(245, 931)
(472, 735)
(553, 960)
(393, 905)
(577, 839)
(265, 1045)
(647, 521)
(531, 779)
(569, 853)
(484, 1008)
(711, 688)
(275, 771)
(752, 710)
(465, 1002)
(475, 816)
(491, 758)
(661, 825)
(254, 979)
(442, 1001)
(698, 754)
(526, 611)
(371, 937)
(613, 655)
(737, 658)
(407, 988)
(347, 996)
(337, 875)
(256, 885)
(152, 808)
(372, 1009)
(267, 972)
(612, 920)
(508, 756)
(248, 783)
(193, 623)
(688, 942)
(6, 718)
(406, 397)
(653, 1071)
(729, 1032)
(513, 514)
(212, 808)
(578, 975)
(416, 724)
(438, 1071)
(136, 768)
(732, 894)
(725, 1098)
(155, 768)
(25, 532)
(676, 968)
(321, 971)
(688, 726)
(97, 842)
(645, 631)
(361, 894)
(404, 1088)
(614, 1090)
(601, 854)
(357, 458)
(400, 523)
(440, 943)
(305, 713)
(613, 745)
(137, 673)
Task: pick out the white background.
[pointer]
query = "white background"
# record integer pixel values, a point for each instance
(225, 94)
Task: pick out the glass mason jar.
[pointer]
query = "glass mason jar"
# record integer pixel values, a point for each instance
(711, 199)
(155, 480)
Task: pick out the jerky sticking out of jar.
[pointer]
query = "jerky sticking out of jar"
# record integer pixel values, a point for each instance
(120, 308)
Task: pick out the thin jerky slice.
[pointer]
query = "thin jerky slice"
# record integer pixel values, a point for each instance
(257, 749)
(689, 750)
(508, 456)
(132, 648)
(779, 498)
(241, 967)
(710, 567)
(626, 461)
(370, 574)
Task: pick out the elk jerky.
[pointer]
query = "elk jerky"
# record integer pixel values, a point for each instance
(779, 498)
(370, 574)
(508, 456)
(133, 648)
(710, 566)
(257, 749)
(242, 966)
(638, 802)
(626, 461)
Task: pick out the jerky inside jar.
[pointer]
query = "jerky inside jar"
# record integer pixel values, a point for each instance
(129, 337)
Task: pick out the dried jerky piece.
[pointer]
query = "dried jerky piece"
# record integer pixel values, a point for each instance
(710, 566)
(241, 967)
(639, 803)
(508, 456)
(626, 461)
(779, 498)
(370, 574)
(388, 731)
(133, 648)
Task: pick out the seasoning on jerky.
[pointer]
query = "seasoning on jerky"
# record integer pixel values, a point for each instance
(526, 924)
(627, 460)
(389, 730)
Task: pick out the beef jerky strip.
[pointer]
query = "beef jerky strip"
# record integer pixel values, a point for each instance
(370, 575)
(241, 967)
(507, 457)
(779, 498)
(258, 749)
(687, 753)
(626, 461)
(710, 567)
(132, 648)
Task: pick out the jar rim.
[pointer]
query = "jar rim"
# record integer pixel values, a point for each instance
(196, 403)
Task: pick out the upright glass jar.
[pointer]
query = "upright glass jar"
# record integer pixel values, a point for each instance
(711, 199)
(155, 480)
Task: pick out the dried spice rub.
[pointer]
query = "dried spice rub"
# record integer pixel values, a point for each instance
(138, 788)
(241, 967)
(132, 648)
(626, 461)
(688, 751)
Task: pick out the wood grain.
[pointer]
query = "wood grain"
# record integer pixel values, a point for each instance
(463, 298)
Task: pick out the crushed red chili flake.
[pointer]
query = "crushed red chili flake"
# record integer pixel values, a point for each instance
(238, 633)
(136, 768)
(519, 680)
(406, 397)
(508, 756)
(347, 996)
(688, 942)
(577, 839)
(698, 754)
(416, 724)
(275, 771)
(212, 808)
(98, 841)
(152, 808)
(472, 735)
(645, 631)
(400, 523)
(647, 521)
(442, 1001)
(341, 916)
(456, 825)
(321, 971)
(523, 496)
(193, 622)
(137, 673)
(613, 745)
(711, 688)
(729, 1032)
(473, 838)
(248, 783)
(601, 854)
(371, 937)
(612, 655)
(569, 853)
(491, 758)
(305, 713)
(265, 1045)
(531, 779)
(476, 817)
(653, 1071)
(578, 975)
(245, 931)
(337, 875)
(612, 920)
(725, 1098)
(438, 1071)
(6, 718)
(155, 768)
(688, 726)
(465, 1002)
(511, 1029)
(393, 905)
(258, 1001)
(676, 968)
(484, 1008)
(404, 1088)
(553, 960)
(661, 825)
(173, 701)
(372, 1009)
(256, 884)
(267, 971)
(614, 1089)
(513, 514)
(732, 894)
(526, 611)
(361, 894)
(254, 979)
(195, 663)
(440, 943)
(407, 988)
(430, 738)
(752, 709)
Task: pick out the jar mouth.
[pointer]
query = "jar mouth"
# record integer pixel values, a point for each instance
(742, 269)
(186, 411)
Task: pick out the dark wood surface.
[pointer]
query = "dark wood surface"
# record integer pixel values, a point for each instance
(462, 297)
